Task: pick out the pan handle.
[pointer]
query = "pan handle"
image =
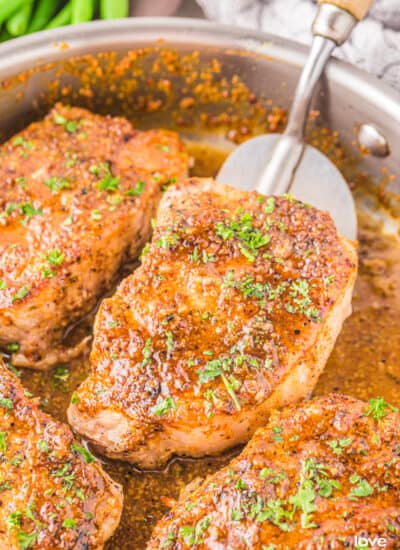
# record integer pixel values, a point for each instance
(357, 8)
(332, 26)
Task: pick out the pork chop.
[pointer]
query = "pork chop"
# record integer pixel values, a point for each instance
(77, 192)
(53, 492)
(234, 310)
(316, 477)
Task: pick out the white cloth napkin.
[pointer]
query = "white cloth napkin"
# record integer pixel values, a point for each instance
(374, 45)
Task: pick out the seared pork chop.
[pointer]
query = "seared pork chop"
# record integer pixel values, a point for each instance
(234, 310)
(316, 477)
(53, 492)
(77, 192)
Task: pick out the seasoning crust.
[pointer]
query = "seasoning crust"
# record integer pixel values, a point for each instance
(54, 493)
(234, 310)
(77, 192)
(317, 476)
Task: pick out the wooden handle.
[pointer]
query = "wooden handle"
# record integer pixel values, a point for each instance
(358, 8)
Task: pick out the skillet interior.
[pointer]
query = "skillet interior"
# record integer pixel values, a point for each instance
(198, 92)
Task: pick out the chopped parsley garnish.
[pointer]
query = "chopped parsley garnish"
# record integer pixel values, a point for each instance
(75, 398)
(21, 141)
(236, 515)
(302, 303)
(69, 523)
(3, 442)
(362, 489)
(271, 476)
(13, 347)
(26, 540)
(69, 125)
(95, 215)
(167, 240)
(170, 341)
(29, 211)
(55, 257)
(250, 238)
(43, 446)
(56, 184)
(137, 190)
(251, 289)
(277, 434)
(313, 479)
(378, 408)
(337, 446)
(109, 183)
(329, 280)
(273, 511)
(304, 500)
(164, 148)
(20, 294)
(270, 205)
(47, 273)
(164, 406)
(146, 352)
(6, 403)
(194, 535)
(86, 455)
(219, 367)
(240, 485)
(3, 284)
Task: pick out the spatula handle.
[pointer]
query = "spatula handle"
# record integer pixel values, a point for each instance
(357, 8)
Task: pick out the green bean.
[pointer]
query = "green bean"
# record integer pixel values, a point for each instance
(4, 35)
(19, 21)
(62, 18)
(44, 11)
(8, 8)
(114, 9)
(82, 10)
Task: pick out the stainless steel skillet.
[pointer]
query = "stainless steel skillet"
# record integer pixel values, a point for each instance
(236, 83)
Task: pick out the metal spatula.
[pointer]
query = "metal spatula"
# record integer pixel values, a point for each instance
(280, 163)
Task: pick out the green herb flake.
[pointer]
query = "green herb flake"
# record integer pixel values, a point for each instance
(167, 240)
(170, 341)
(270, 205)
(146, 352)
(22, 142)
(26, 540)
(362, 488)
(378, 408)
(164, 406)
(3, 442)
(236, 515)
(137, 190)
(56, 184)
(55, 257)
(250, 239)
(109, 183)
(69, 125)
(277, 434)
(69, 523)
(193, 536)
(86, 455)
(20, 294)
(43, 446)
(29, 211)
(96, 215)
(337, 446)
(12, 347)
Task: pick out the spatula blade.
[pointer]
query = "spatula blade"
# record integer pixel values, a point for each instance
(317, 181)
